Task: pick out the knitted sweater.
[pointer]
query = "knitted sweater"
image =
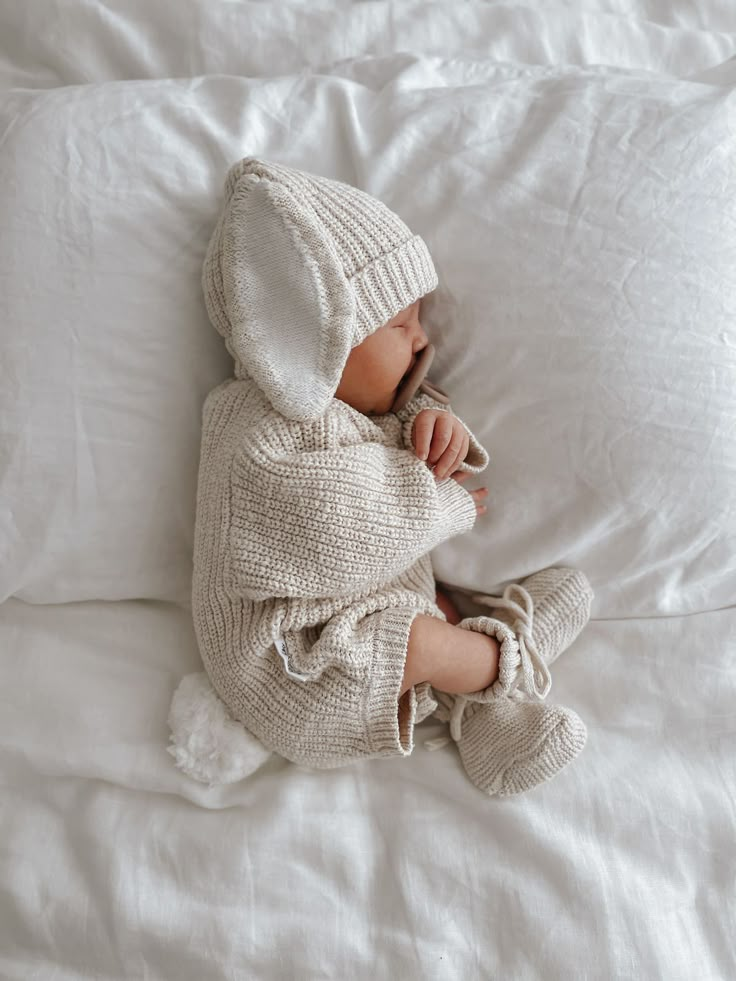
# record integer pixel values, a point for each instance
(301, 523)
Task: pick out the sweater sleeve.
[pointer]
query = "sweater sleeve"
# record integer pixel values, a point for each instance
(335, 522)
(476, 459)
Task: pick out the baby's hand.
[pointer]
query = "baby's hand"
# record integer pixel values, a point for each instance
(442, 440)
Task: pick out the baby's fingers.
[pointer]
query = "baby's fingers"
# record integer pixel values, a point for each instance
(482, 492)
(422, 433)
(454, 454)
(432, 433)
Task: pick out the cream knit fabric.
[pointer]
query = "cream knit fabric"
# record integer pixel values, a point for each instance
(550, 608)
(310, 563)
(509, 745)
(299, 270)
(314, 522)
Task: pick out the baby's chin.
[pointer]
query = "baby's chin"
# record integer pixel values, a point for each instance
(371, 403)
(384, 404)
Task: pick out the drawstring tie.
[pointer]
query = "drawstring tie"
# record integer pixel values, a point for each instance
(533, 678)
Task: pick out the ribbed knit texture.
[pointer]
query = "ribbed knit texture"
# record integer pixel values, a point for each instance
(510, 745)
(562, 599)
(299, 270)
(315, 537)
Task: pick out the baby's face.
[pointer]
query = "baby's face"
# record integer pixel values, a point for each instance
(376, 367)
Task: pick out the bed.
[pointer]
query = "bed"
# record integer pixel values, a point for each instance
(571, 165)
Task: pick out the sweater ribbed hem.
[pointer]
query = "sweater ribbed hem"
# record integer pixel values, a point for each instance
(456, 506)
(476, 459)
(381, 707)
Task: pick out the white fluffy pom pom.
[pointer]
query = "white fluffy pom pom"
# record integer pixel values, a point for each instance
(206, 742)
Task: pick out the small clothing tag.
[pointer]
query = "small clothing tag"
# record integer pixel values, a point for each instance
(281, 648)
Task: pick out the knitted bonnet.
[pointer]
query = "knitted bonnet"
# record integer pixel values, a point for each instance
(300, 269)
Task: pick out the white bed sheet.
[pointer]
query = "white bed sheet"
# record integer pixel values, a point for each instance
(45, 43)
(115, 865)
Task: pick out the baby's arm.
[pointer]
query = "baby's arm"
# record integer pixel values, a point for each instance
(336, 521)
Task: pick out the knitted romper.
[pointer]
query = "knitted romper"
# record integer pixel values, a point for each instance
(311, 562)
(314, 522)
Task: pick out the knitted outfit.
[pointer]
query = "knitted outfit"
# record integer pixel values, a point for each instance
(314, 522)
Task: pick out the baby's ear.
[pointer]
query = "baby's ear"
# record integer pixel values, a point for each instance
(290, 307)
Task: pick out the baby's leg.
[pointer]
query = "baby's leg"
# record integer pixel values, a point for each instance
(450, 658)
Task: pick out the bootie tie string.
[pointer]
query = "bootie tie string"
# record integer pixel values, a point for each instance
(535, 678)
(450, 709)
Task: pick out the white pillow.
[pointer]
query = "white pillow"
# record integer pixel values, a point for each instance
(582, 225)
(589, 331)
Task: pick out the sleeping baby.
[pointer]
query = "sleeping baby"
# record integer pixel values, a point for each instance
(330, 468)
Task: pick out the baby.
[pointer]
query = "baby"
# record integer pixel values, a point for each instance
(330, 467)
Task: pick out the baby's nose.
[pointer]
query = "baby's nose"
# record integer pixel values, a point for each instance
(420, 339)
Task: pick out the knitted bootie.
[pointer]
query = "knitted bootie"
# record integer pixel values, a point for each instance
(549, 608)
(508, 741)
(509, 745)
